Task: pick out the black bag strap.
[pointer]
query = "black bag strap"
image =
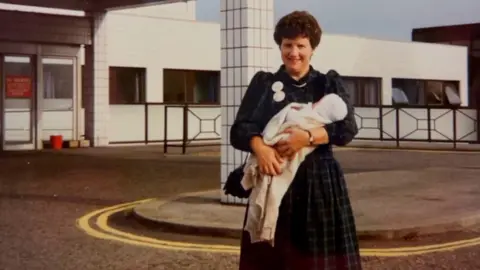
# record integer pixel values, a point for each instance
(246, 158)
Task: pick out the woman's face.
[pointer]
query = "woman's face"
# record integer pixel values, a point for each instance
(296, 54)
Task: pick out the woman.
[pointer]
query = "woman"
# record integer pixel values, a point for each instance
(316, 227)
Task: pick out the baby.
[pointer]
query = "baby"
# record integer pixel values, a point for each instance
(329, 109)
(268, 191)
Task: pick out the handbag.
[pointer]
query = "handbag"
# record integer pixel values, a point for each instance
(233, 185)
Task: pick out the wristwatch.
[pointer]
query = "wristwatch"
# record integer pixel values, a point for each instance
(310, 137)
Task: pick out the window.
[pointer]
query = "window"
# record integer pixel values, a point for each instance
(399, 97)
(427, 92)
(127, 85)
(191, 86)
(363, 91)
(58, 80)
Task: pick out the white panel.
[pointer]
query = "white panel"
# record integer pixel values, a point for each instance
(238, 95)
(230, 4)
(237, 33)
(224, 58)
(238, 57)
(250, 19)
(243, 37)
(132, 114)
(237, 4)
(230, 40)
(230, 77)
(230, 97)
(245, 76)
(156, 122)
(258, 4)
(237, 18)
(231, 57)
(238, 76)
(231, 114)
(223, 36)
(230, 19)
(223, 21)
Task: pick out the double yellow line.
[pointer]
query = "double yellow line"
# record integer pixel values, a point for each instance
(102, 230)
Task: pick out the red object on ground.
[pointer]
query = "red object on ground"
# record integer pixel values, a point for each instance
(56, 141)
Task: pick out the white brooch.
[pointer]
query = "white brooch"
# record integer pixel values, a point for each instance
(277, 86)
(279, 95)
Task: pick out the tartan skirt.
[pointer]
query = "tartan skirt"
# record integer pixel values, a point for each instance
(315, 228)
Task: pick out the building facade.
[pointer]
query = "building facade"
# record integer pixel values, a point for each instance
(123, 76)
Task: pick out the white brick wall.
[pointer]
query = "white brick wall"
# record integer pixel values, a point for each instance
(387, 59)
(148, 42)
(97, 84)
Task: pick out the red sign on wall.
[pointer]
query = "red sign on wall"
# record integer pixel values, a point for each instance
(18, 86)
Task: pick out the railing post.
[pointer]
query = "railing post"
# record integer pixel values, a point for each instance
(478, 123)
(146, 123)
(454, 128)
(397, 123)
(380, 121)
(185, 128)
(429, 124)
(165, 128)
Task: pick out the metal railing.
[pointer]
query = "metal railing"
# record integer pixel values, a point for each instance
(173, 125)
(192, 125)
(191, 140)
(418, 124)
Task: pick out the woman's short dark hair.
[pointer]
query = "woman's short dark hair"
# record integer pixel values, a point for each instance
(298, 24)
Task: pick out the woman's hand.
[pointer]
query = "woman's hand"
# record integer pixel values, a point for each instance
(298, 138)
(269, 161)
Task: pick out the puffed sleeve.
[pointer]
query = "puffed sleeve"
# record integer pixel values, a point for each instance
(250, 121)
(341, 133)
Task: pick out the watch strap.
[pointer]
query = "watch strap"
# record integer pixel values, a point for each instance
(310, 136)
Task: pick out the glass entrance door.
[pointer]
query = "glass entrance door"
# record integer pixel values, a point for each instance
(58, 110)
(18, 84)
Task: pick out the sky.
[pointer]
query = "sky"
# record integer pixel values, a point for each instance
(383, 19)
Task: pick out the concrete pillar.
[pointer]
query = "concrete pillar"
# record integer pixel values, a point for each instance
(247, 43)
(96, 95)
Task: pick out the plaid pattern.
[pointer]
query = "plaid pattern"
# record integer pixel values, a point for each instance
(316, 227)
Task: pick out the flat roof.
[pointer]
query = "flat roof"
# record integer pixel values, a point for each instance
(446, 33)
(96, 5)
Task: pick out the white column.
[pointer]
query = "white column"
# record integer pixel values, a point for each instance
(247, 41)
(96, 83)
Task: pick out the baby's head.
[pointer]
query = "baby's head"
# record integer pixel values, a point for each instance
(331, 105)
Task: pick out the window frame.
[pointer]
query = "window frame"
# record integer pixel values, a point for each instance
(141, 84)
(185, 90)
(361, 82)
(424, 82)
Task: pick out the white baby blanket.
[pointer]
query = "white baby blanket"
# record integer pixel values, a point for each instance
(268, 191)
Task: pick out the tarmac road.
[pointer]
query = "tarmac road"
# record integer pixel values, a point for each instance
(43, 194)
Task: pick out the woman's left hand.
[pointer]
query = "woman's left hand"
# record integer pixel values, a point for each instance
(298, 139)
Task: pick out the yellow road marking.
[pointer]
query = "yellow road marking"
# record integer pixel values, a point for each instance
(380, 149)
(108, 233)
(102, 224)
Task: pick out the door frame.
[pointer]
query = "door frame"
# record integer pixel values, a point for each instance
(75, 84)
(37, 52)
(32, 143)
